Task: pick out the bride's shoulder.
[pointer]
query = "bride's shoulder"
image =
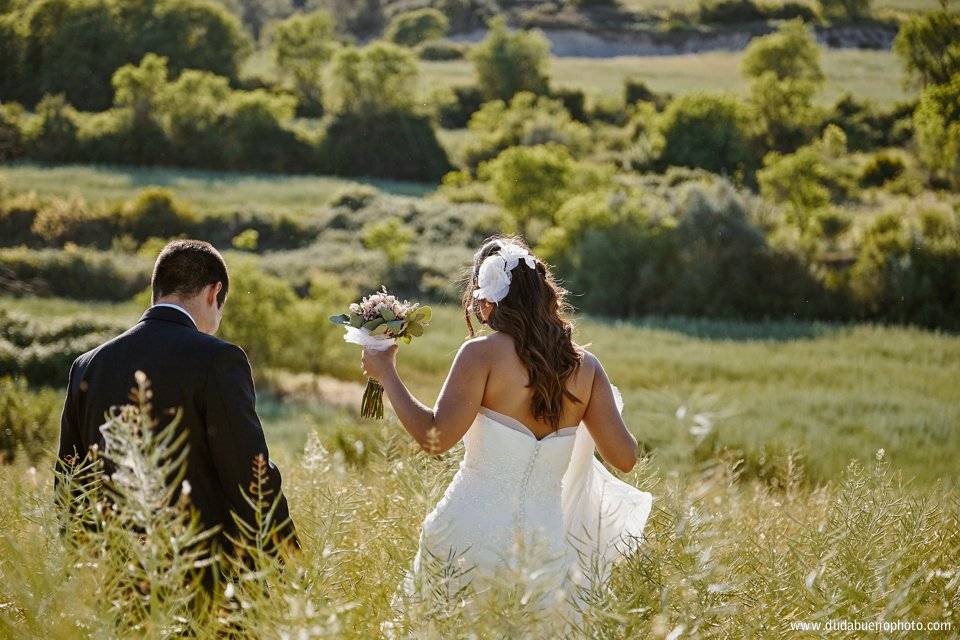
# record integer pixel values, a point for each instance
(487, 345)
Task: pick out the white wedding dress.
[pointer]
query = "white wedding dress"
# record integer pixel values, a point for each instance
(525, 509)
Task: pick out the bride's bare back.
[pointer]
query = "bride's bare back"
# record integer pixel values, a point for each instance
(487, 372)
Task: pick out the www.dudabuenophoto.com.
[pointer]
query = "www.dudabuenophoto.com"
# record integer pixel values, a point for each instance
(875, 626)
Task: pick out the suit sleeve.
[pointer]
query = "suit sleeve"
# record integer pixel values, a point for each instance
(235, 436)
(71, 443)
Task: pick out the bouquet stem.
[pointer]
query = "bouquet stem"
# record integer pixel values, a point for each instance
(371, 406)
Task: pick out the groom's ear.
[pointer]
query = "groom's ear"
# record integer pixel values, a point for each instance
(213, 290)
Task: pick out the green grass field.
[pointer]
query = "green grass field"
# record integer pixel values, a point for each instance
(828, 393)
(873, 75)
(210, 191)
(721, 556)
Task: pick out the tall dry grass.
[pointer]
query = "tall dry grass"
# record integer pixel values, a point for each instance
(724, 556)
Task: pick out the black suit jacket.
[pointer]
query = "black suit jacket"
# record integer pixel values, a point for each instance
(208, 378)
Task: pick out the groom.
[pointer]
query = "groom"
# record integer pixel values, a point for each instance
(189, 369)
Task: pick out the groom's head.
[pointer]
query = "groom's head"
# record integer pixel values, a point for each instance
(193, 275)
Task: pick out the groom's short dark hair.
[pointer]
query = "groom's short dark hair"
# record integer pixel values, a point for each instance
(184, 267)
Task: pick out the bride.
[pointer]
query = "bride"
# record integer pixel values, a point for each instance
(530, 406)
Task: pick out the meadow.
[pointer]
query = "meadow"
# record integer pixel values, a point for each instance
(863, 73)
(802, 473)
(212, 191)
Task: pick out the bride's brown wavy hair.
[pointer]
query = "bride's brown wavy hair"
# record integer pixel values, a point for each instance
(535, 314)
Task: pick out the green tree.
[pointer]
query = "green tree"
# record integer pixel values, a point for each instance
(845, 9)
(390, 236)
(527, 120)
(507, 63)
(929, 45)
(530, 182)
(138, 87)
(411, 28)
(376, 79)
(302, 47)
(809, 179)
(785, 74)
(937, 125)
(706, 131)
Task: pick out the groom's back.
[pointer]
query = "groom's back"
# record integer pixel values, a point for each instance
(206, 378)
(177, 360)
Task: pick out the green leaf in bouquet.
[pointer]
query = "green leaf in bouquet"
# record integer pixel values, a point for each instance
(340, 319)
(395, 326)
(388, 314)
(373, 324)
(406, 338)
(415, 329)
(380, 330)
(356, 320)
(423, 315)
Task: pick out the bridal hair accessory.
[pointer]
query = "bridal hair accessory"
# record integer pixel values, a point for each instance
(493, 279)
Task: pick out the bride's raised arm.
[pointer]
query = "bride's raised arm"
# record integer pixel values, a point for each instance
(437, 429)
(602, 417)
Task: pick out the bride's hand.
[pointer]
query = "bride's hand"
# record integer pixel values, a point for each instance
(378, 364)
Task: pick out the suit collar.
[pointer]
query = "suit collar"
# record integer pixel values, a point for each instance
(169, 314)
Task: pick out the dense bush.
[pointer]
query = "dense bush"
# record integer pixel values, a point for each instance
(710, 132)
(415, 27)
(526, 120)
(442, 50)
(82, 274)
(275, 327)
(929, 45)
(455, 106)
(881, 169)
(937, 125)
(303, 44)
(399, 145)
(28, 419)
(73, 47)
(729, 11)
(845, 9)
(699, 255)
(785, 74)
(908, 269)
(868, 127)
(508, 63)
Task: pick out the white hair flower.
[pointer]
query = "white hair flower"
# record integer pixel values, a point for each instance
(494, 277)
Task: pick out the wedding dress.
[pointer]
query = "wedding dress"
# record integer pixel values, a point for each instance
(540, 509)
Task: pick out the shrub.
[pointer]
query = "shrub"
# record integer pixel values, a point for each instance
(937, 125)
(303, 44)
(442, 50)
(845, 9)
(396, 145)
(28, 420)
(508, 63)
(790, 10)
(275, 327)
(456, 105)
(809, 179)
(51, 134)
(11, 133)
(415, 27)
(155, 212)
(881, 169)
(389, 236)
(530, 182)
(729, 11)
(573, 100)
(73, 47)
(377, 79)
(708, 132)
(908, 270)
(527, 120)
(60, 221)
(929, 46)
(82, 274)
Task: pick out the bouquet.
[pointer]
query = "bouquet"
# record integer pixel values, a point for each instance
(377, 322)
